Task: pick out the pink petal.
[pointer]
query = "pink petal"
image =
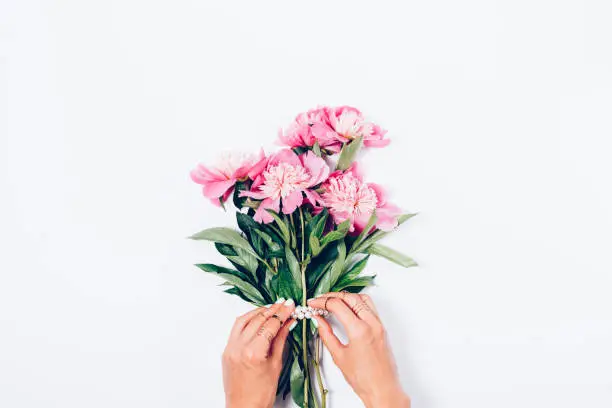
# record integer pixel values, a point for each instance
(216, 189)
(381, 196)
(284, 156)
(292, 201)
(261, 215)
(258, 167)
(257, 182)
(323, 134)
(376, 143)
(201, 175)
(312, 197)
(387, 217)
(355, 170)
(258, 195)
(361, 221)
(316, 166)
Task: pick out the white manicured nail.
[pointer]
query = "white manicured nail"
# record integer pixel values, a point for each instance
(289, 302)
(280, 300)
(293, 325)
(268, 306)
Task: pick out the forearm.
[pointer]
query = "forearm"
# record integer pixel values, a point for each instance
(395, 399)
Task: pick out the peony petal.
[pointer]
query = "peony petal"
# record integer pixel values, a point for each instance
(381, 196)
(387, 217)
(261, 215)
(203, 174)
(355, 170)
(292, 201)
(312, 197)
(284, 156)
(258, 195)
(376, 142)
(316, 166)
(259, 166)
(216, 189)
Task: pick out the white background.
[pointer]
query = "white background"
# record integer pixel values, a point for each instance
(499, 115)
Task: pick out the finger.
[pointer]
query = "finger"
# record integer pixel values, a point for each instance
(333, 344)
(357, 305)
(278, 319)
(268, 331)
(257, 321)
(369, 302)
(340, 309)
(243, 321)
(278, 344)
(265, 335)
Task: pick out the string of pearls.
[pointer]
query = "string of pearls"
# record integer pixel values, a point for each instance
(306, 312)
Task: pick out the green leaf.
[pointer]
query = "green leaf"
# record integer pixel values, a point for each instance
(337, 234)
(316, 149)
(285, 376)
(319, 267)
(297, 383)
(331, 277)
(294, 268)
(239, 187)
(317, 224)
(246, 260)
(273, 245)
(348, 153)
(355, 269)
(212, 268)
(315, 246)
(378, 234)
(354, 285)
(235, 291)
(224, 249)
(300, 150)
(283, 283)
(233, 277)
(366, 230)
(391, 254)
(225, 236)
(284, 230)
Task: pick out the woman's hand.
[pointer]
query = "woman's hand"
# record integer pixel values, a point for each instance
(252, 360)
(366, 361)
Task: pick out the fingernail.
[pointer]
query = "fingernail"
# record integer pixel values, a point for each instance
(268, 306)
(310, 300)
(315, 323)
(280, 300)
(293, 325)
(289, 302)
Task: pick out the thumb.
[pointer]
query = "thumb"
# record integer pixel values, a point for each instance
(333, 344)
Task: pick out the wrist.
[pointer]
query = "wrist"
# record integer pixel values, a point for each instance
(248, 402)
(389, 399)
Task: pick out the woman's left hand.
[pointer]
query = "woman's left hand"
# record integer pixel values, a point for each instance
(252, 360)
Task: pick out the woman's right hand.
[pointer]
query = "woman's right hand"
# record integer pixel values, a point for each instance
(366, 361)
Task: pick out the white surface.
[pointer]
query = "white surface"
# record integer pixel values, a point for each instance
(500, 118)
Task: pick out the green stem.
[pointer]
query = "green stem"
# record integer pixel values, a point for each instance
(317, 363)
(305, 339)
(304, 325)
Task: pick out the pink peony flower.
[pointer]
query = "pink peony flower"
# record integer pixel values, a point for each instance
(218, 181)
(348, 123)
(347, 197)
(285, 180)
(332, 127)
(310, 127)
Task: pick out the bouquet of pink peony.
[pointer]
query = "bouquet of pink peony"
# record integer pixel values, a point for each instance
(308, 224)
